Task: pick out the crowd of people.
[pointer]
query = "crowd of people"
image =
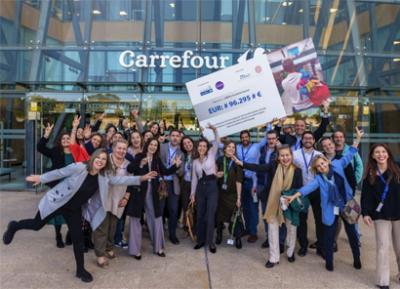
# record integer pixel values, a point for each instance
(144, 176)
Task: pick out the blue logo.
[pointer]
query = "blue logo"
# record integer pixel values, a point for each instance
(208, 90)
(219, 85)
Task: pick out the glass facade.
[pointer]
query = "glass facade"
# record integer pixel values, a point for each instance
(62, 56)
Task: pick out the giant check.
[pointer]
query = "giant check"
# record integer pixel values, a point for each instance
(236, 98)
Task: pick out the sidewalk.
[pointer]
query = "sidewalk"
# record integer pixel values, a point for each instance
(34, 261)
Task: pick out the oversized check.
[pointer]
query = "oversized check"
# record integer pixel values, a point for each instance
(236, 98)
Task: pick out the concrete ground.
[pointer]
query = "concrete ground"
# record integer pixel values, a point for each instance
(33, 261)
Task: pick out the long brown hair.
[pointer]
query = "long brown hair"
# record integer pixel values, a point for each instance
(107, 167)
(372, 166)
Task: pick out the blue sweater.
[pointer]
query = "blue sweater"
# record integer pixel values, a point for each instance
(328, 216)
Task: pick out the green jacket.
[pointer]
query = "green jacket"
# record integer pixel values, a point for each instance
(299, 205)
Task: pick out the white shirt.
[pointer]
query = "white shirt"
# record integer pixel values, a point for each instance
(304, 163)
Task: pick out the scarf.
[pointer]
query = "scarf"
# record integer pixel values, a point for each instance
(336, 193)
(282, 181)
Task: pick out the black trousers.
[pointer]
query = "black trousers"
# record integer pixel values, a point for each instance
(315, 201)
(73, 219)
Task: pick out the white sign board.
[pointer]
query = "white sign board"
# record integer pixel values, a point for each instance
(239, 97)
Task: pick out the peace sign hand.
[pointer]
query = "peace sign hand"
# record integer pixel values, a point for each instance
(48, 129)
(76, 121)
(177, 161)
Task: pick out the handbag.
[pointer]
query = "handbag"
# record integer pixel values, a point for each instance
(190, 216)
(162, 186)
(237, 225)
(351, 212)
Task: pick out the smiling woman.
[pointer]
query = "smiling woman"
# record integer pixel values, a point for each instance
(80, 182)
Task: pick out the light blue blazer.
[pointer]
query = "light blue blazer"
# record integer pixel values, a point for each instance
(328, 216)
(73, 176)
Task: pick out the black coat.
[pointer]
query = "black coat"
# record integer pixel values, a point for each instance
(55, 154)
(137, 200)
(270, 169)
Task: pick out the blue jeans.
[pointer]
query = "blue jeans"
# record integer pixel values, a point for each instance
(173, 204)
(250, 208)
(329, 238)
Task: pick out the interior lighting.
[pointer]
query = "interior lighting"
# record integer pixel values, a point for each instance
(287, 3)
(301, 10)
(123, 13)
(396, 42)
(96, 12)
(172, 4)
(397, 59)
(333, 10)
(283, 23)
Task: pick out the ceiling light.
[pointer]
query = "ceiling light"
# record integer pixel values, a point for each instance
(301, 10)
(172, 5)
(283, 23)
(287, 3)
(396, 42)
(397, 59)
(96, 12)
(333, 10)
(123, 13)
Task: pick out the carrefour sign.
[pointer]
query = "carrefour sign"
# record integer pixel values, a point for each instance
(129, 59)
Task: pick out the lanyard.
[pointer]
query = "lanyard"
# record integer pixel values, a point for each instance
(244, 154)
(386, 189)
(170, 155)
(305, 161)
(226, 169)
(188, 164)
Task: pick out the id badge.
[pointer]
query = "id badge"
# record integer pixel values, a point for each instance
(224, 187)
(379, 208)
(336, 211)
(230, 242)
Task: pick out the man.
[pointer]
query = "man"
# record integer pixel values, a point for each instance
(168, 152)
(339, 139)
(264, 181)
(300, 127)
(249, 152)
(303, 158)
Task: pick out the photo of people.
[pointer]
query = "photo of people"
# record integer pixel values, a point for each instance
(298, 75)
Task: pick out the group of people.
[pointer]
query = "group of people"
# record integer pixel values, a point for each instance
(100, 180)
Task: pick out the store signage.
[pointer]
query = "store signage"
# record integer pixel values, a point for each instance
(128, 59)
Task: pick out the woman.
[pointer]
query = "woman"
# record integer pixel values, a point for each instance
(230, 179)
(335, 192)
(187, 147)
(81, 183)
(147, 135)
(284, 176)
(60, 157)
(204, 191)
(135, 145)
(380, 206)
(148, 199)
(117, 199)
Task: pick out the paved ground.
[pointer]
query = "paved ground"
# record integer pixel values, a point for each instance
(33, 261)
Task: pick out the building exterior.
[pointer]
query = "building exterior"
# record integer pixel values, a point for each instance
(66, 56)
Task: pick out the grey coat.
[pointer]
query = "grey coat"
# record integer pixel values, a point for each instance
(179, 172)
(73, 176)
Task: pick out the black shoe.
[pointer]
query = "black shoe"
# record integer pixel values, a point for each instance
(212, 249)
(265, 244)
(313, 246)
(161, 254)
(281, 248)
(85, 249)
(292, 258)
(335, 247)
(329, 266)
(68, 240)
(218, 238)
(60, 243)
(357, 264)
(238, 243)
(321, 253)
(174, 240)
(198, 246)
(382, 287)
(9, 233)
(302, 252)
(84, 275)
(270, 264)
(137, 257)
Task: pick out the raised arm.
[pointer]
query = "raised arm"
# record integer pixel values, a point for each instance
(75, 124)
(348, 156)
(319, 132)
(138, 120)
(41, 145)
(215, 144)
